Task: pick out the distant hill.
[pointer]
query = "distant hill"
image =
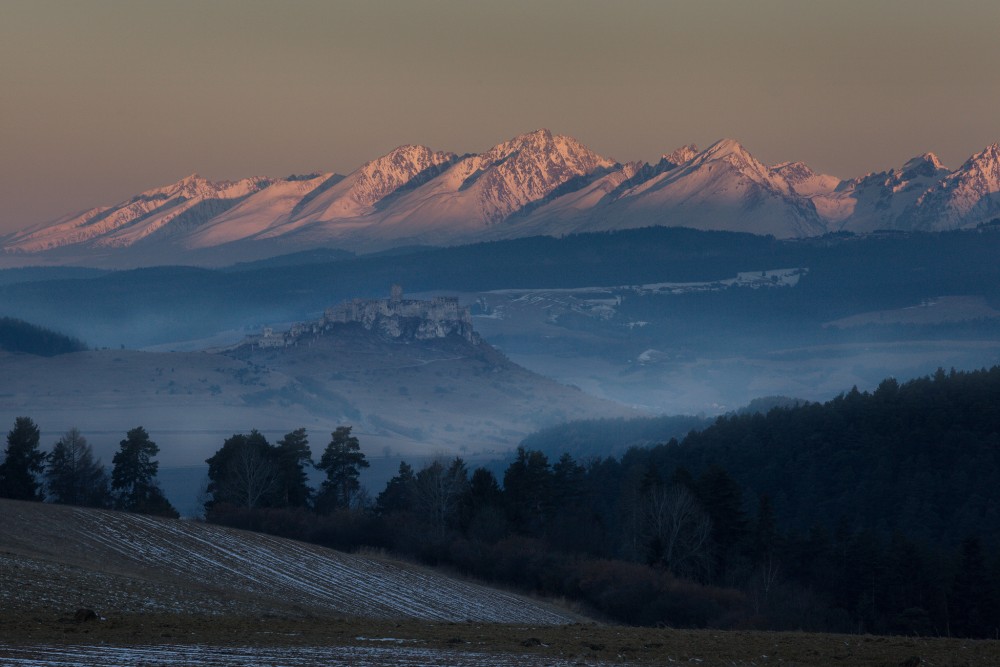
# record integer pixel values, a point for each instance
(600, 438)
(846, 275)
(412, 395)
(920, 457)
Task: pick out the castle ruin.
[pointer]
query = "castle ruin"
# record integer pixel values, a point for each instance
(395, 318)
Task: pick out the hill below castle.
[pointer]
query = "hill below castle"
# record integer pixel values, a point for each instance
(414, 380)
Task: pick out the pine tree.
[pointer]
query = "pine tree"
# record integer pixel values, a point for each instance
(23, 462)
(527, 490)
(342, 461)
(398, 493)
(133, 478)
(293, 454)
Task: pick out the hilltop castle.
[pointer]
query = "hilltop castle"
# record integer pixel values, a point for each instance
(395, 317)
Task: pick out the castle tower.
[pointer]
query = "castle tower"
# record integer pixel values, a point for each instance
(396, 294)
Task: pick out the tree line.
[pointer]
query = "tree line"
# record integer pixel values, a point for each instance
(69, 474)
(873, 512)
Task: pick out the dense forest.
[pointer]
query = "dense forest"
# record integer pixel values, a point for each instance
(873, 512)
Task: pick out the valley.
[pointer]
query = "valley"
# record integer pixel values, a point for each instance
(444, 396)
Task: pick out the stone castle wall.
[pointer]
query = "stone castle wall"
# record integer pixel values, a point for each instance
(394, 317)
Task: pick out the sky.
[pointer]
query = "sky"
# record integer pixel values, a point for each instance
(101, 99)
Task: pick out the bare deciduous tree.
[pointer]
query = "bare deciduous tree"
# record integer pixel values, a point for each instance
(73, 476)
(251, 476)
(675, 522)
(437, 491)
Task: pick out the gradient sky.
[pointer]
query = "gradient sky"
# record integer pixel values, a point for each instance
(100, 99)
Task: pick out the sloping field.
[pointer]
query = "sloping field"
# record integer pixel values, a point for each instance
(182, 593)
(62, 558)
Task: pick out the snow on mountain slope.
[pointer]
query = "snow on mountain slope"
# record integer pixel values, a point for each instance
(682, 155)
(142, 215)
(815, 187)
(804, 180)
(535, 183)
(881, 200)
(569, 212)
(723, 187)
(481, 191)
(359, 193)
(259, 212)
(968, 196)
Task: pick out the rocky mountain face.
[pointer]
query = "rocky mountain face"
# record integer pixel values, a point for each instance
(536, 183)
(964, 198)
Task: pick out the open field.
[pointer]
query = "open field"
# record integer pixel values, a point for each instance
(180, 593)
(112, 562)
(257, 640)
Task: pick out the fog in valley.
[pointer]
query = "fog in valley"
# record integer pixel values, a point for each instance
(690, 324)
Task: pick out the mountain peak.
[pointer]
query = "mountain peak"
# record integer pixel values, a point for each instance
(724, 147)
(927, 164)
(681, 155)
(796, 170)
(384, 175)
(990, 154)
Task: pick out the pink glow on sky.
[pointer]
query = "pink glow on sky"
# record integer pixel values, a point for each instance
(102, 99)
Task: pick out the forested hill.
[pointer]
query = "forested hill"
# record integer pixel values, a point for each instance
(587, 438)
(921, 458)
(20, 336)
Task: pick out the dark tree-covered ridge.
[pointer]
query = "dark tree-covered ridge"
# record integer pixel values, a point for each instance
(871, 513)
(20, 336)
(922, 458)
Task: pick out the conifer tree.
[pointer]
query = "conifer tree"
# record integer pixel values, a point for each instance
(293, 454)
(133, 478)
(342, 461)
(23, 462)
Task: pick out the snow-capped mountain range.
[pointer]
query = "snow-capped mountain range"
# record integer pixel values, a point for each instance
(536, 183)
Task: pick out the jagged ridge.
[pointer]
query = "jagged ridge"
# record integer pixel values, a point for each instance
(535, 183)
